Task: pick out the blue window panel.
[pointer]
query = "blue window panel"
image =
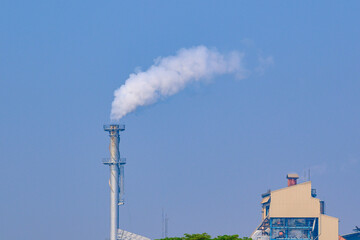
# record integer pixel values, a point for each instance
(292, 228)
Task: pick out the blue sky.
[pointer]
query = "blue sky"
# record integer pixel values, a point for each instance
(204, 155)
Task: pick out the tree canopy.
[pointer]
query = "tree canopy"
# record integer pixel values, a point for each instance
(205, 236)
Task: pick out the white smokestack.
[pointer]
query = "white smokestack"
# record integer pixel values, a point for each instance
(169, 75)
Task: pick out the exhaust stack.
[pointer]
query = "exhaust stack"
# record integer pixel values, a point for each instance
(292, 179)
(116, 181)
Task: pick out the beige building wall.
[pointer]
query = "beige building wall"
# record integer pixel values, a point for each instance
(329, 228)
(265, 203)
(294, 202)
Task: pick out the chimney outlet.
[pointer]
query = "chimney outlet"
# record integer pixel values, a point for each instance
(292, 179)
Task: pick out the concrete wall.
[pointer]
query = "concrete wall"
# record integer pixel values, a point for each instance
(329, 228)
(294, 201)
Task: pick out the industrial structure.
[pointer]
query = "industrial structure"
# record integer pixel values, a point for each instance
(116, 181)
(294, 212)
(289, 213)
(352, 236)
(125, 235)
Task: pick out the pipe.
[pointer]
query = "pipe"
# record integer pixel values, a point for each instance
(121, 183)
(114, 163)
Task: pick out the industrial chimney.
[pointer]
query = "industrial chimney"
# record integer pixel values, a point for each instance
(116, 165)
(292, 179)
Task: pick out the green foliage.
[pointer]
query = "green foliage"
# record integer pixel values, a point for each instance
(205, 236)
(197, 236)
(231, 237)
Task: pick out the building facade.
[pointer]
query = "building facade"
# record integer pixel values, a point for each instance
(294, 212)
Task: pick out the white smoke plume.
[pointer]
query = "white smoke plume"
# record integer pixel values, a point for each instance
(171, 74)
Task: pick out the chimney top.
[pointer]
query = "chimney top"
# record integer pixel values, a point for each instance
(292, 179)
(114, 127)
(292, 176)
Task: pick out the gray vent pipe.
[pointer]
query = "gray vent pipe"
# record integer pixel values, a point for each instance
(116, 165)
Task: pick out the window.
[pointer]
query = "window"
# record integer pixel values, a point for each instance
(293, 228)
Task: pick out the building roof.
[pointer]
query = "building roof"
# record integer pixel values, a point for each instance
(125, 235)
(352, 236)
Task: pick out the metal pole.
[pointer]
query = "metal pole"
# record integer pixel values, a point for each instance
(114, 163)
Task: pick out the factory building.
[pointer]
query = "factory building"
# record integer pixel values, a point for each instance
(351, 236)
(294, 212)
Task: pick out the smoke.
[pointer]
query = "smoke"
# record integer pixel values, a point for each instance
(171, 74)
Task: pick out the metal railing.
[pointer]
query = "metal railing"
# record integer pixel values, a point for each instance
(120, 127)
(109, 161)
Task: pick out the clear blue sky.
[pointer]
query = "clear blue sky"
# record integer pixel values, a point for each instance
(204, 155)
